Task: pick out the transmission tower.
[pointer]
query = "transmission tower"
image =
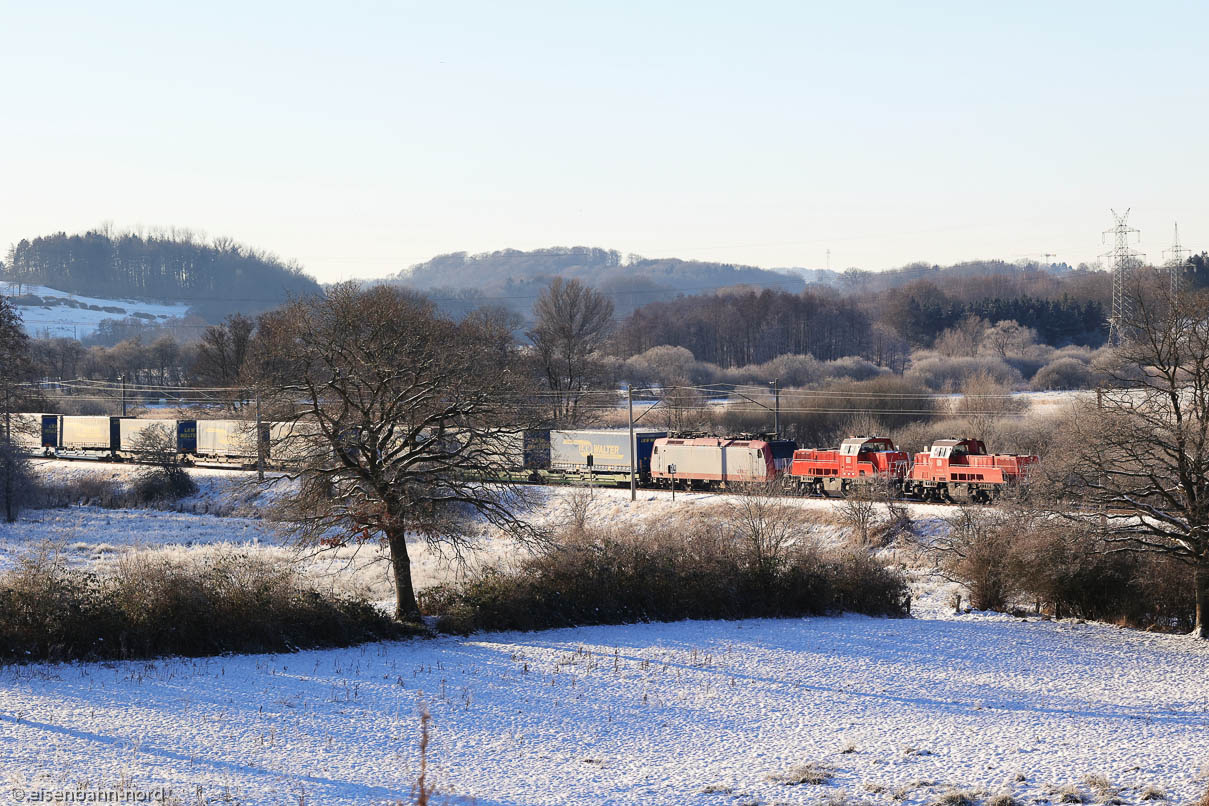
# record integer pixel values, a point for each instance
(1175, 264)
(1123, 261)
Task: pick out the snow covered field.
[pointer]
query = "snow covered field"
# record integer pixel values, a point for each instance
(75, 316)
(693, 713)
(899, 711)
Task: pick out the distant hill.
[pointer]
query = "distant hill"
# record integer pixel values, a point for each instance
(514, 278)
(213, 279)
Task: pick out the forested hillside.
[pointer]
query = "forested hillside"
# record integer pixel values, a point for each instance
(514, 278)
(215, 278)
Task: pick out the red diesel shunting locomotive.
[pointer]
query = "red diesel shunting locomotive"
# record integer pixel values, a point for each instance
(962, 470)
(858, 460)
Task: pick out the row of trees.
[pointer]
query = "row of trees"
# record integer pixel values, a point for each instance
(740, 326)
(214, 276)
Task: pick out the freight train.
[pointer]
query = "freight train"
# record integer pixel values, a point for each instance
(951, 470)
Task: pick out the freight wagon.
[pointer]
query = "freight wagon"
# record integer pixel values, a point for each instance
(714, 461)
(602, 451)
(88, 434)
(221, 440)
(27, 431)
(133, 431)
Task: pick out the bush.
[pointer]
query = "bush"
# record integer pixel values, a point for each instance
(1064, 373)
(977, 552)
(664, 572)
(1004, 558)
(153, 605)
(159, 486)
(947, 374)
(1073, 573)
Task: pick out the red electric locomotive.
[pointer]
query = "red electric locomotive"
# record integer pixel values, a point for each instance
(962, 470)
(858, 460)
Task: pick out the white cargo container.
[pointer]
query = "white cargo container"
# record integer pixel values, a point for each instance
(293, 442)
(131, 429)
(86, 434)
(226, 439)
(27, 432)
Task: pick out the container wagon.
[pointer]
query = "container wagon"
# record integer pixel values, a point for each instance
(27, 432)
(602, 452)
(226, 441)
(131, 431)
(715, 462)
(91, 435)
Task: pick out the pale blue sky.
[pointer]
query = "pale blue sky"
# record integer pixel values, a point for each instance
(359, 138)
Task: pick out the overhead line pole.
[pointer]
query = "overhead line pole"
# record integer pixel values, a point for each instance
(776, 402)
(633, 444)
(259, 441)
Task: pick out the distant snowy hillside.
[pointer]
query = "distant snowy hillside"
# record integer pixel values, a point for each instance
(49, 312)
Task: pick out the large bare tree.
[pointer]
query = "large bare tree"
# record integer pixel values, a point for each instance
(573, 321)
(398, 420)
(1139, 452)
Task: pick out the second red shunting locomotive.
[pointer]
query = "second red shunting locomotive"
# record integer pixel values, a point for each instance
(962, 470)
(858, 460)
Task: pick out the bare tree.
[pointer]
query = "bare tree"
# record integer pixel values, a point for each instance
(976, 550)
(984, 403)
(15, 368)
(859, 511)
(573, 321)
(762, 518)
(683, 407)
(398, 420)
(1008, 338)
(163, 475)
(222, 353)
(1140, 453)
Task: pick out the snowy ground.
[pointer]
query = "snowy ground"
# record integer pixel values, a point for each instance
(687, 713)
(227, 512)
(900, 711)
(74, 316)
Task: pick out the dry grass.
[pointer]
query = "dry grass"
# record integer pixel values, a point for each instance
(1152, 792)
(812, 772)
(1069, 793)
(1102, 788)
(957, 797)
(1002, 799)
